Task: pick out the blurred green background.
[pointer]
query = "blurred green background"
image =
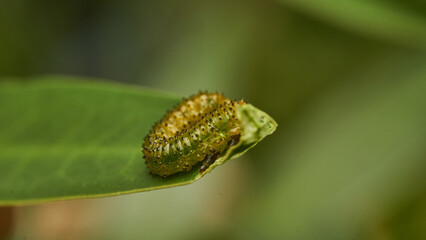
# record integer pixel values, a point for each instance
(345, 80)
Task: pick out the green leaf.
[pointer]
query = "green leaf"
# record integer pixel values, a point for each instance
(67, 138)
(393, 21)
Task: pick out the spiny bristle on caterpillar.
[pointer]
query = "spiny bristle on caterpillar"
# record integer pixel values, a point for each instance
(199, 129)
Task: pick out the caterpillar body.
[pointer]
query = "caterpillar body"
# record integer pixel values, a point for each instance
(196, 132)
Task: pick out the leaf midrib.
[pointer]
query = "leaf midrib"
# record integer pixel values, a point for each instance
(43, 148)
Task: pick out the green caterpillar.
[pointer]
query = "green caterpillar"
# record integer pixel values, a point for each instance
(200, 129)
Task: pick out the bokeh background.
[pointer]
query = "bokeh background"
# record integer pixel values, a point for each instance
(344, 79)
